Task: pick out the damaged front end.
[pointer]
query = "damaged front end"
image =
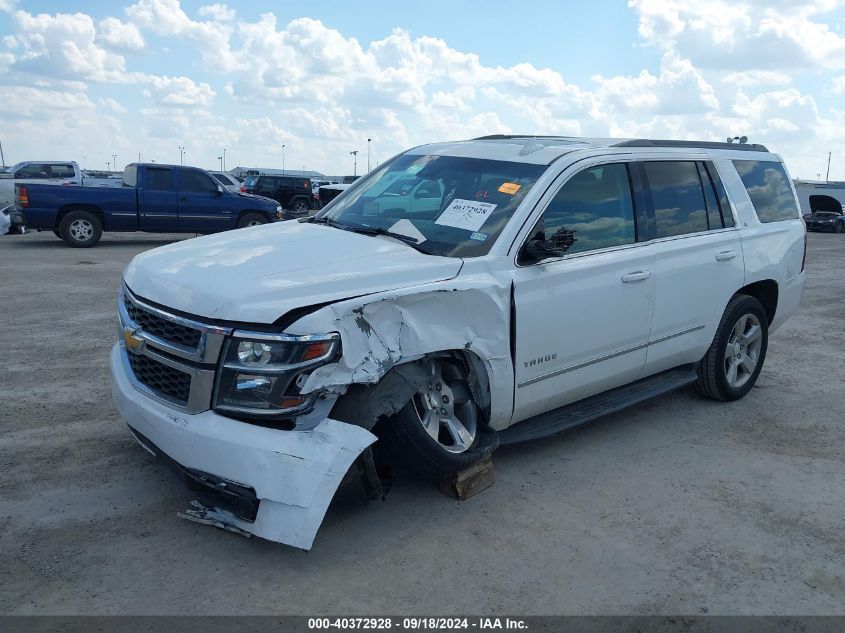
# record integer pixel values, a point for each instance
(272, 471)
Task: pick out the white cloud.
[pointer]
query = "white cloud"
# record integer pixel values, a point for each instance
(220, 12)
(837, 85)
(179, 91)
(7, 6)
(63, 46)
(115, 34)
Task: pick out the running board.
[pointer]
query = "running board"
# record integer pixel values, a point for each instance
(586, 410)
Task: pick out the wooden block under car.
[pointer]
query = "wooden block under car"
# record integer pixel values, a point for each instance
(469, 482)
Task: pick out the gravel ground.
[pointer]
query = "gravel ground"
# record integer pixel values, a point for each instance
(681, 505)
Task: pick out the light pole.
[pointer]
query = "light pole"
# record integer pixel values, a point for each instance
(283, 159)
(354, 154)
(2, 158)
(224, 160)
(114, 161)
(108, 165)
(827, 178)
(181, 154)
(220, 158)
(369, 140)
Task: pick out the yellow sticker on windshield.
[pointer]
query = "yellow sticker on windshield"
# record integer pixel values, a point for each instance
(510, 187)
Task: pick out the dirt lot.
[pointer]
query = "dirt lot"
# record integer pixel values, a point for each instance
(679, 506)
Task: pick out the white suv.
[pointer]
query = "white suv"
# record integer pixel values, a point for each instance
(554, 280)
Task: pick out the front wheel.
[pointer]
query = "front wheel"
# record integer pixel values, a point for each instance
(80, 229)
(435, 433)
(732, 364)
(838, 228)
(252, 219)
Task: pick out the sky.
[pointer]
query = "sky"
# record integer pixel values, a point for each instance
(88, 80)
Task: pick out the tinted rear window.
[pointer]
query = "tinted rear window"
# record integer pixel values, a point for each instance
(678, 198)
(159, 179)
(769, 189)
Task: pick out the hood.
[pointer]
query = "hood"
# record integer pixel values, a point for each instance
(252, 196)
(258, 274)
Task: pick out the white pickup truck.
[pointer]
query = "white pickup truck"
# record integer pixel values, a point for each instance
(44, 172)
(554, 280)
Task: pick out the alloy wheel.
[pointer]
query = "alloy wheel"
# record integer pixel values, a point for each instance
(742, 352)
(81, 230)
(446, 410)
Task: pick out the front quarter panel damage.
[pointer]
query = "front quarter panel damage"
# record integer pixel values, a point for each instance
(382, 331)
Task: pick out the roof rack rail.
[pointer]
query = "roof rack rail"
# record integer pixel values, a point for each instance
(501, 137)
(644, 142)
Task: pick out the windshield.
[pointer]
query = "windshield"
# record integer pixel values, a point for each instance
(451, 206)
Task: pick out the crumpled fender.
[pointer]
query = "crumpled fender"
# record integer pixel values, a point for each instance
(383, 330)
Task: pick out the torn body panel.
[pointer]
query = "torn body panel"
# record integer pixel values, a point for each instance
(468, 315)
(294, 473)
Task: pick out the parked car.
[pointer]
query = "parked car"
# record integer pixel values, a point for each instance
(229, 182)
(44, 172)
(328, 193)
(154, 198)
(249, 183)
(825, 221)
(556, 281)
(292, 192)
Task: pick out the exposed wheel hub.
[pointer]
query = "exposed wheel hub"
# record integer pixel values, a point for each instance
(446, 410)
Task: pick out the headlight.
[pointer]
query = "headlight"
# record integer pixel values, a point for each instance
(261, 374)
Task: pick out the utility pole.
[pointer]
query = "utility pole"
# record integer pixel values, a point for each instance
(368, 154)
(283, 159)
(354, 154)
(827, 178)
(181, 154)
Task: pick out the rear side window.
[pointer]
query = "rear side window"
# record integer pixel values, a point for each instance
(677, 197)
(768, 187)
(159, 179)
(264, 185)
(594, 209)
(62, 171)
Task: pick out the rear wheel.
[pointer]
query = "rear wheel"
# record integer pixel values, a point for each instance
(436, 431)
(300, 206)
(252, 219)
(80, 229)
(732, 364)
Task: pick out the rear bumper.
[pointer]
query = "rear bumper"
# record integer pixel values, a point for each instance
(286, 479)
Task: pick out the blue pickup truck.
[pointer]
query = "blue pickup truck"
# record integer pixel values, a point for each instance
(154, 198)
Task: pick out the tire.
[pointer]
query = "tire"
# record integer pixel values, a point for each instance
(252, 219)
(300, 206)
(732, 364)
(80, 229)
(412, 441)
(838, 227)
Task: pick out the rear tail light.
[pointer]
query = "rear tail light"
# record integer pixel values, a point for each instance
(243, 189)
(23, 196)
(804, 259)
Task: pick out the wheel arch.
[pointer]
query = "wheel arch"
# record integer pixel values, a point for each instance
(244, 212)
(70, 208)
(766, 292)
(365, 404)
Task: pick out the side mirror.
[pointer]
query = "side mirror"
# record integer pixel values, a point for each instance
(536, 250)
(219, 190)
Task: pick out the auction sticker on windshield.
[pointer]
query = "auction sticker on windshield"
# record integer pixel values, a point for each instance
(465, 214)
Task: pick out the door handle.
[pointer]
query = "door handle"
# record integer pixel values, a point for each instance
(640, 275)
(183, 198)
(725, 256)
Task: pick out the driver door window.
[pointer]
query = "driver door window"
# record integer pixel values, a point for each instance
(594, 209)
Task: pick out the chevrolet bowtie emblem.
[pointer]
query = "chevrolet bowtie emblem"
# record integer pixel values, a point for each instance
(134, 343)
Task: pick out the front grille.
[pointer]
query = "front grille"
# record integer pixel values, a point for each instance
(161, 378)
(163, 328)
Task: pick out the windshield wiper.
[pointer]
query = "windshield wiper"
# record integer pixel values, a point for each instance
(371, 230)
